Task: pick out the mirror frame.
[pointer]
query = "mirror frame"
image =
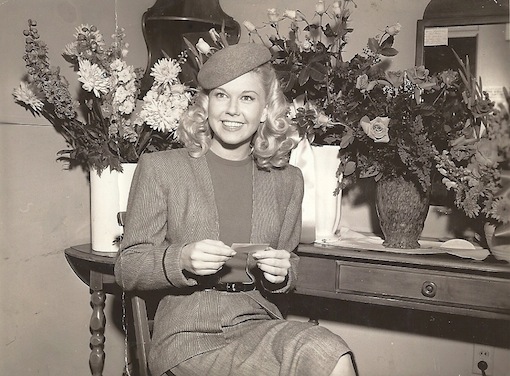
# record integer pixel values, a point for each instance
(464, 16)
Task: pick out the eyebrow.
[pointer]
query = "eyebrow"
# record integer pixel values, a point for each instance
(244, 92)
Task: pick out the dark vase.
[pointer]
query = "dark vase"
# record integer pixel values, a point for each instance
(402, 209)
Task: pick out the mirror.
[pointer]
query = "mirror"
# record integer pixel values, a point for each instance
(478, 29)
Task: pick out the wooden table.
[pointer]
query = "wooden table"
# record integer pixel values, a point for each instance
(436, 283)
(96, 270)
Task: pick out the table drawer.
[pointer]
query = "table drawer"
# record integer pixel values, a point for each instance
(414, 284)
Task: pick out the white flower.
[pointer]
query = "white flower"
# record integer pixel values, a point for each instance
(70, 49)
(394, 29)
(163, 111)
(126, 75)
(24, 94)
(178, 89)
(165, 71)
(93, 78)
(273, 16)
(306, 46)
(320, 7)
(118, 65)
(120, 94)
(203, 47)
(124, 99)
(291, 14)
(127, 106)
(214, 35)
(337, 8)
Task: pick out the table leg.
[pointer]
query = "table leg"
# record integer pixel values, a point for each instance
(97, 324)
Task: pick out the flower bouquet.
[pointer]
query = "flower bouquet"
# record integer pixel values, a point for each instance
(388, 124)
(102, 127)
(476, 167)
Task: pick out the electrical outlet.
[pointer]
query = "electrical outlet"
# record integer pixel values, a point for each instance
(483, 353)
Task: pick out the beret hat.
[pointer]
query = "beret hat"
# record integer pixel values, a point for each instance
(231, 62)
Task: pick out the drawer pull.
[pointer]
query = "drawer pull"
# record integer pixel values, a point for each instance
(429, 289)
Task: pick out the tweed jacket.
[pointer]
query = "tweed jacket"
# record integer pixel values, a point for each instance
(171, 204)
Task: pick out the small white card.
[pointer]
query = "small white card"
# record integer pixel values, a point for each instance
(436, 36)
(236, 268)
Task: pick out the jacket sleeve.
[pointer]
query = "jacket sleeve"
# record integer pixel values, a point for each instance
(146, 260)
(291, 229)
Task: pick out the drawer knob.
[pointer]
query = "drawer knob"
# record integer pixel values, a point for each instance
(429, 289)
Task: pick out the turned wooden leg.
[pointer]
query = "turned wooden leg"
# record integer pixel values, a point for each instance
(97, 324)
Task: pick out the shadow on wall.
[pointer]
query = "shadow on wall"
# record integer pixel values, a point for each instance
(453, 327)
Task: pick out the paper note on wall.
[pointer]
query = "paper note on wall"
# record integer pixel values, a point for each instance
(495, 94)
(436, 36)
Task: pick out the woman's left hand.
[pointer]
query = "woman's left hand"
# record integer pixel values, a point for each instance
(274, 263)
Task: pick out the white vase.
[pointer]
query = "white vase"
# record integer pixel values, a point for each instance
(109, 193)
(499, 246)
(321, 207)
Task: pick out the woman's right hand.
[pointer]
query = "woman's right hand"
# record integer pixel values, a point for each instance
(205, 257)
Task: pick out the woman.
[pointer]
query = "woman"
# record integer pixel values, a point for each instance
(231, 184)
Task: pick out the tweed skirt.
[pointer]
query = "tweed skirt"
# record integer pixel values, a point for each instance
(269, 347)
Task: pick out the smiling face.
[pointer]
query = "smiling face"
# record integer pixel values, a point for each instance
(235, 111)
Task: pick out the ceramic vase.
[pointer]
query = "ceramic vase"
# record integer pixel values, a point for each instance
(499, 246)
(402, 209)
(108, 196)
(321, 208)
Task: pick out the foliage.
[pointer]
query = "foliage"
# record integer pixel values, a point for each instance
(385, 122)
(472, 166)
(102, 127)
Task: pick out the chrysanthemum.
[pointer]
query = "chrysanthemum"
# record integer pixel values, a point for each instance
(70, 49)
(93, 78)
(501, 210)
(162, 112)
(165, 71)
(24, 94)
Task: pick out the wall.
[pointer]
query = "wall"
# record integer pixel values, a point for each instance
(45, 311)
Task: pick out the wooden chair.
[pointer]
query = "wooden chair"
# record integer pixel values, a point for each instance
(142, 325)
(142, 322)
(143, 307)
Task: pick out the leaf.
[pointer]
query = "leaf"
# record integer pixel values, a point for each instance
(289, 82)
(190, 46)
(347, 139)
(427, 109)
(280, 54)
(388, 42)
(311, 27)
(373, 45)
(279, 42)
(304, 76)
(318, 72)
(350, 168)
(328, 32)
(369, 172)
(223, 35)
(389, 51)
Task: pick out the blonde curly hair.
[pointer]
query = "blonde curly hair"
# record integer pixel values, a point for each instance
(272, 142)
